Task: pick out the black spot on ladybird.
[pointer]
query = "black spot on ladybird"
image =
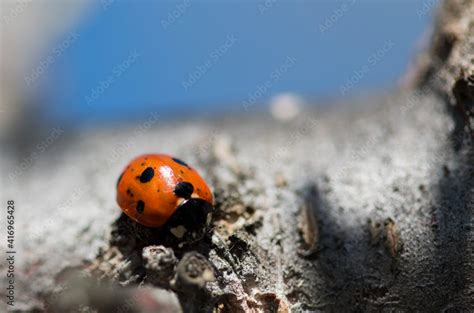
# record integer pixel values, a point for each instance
(147, 175)
(184, 190)
(140, 206)
(119, 179)
(143, 164)
(180, 162)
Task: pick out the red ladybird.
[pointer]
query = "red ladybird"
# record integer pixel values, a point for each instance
(158, 189)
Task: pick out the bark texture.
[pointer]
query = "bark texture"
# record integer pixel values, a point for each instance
(361, 206)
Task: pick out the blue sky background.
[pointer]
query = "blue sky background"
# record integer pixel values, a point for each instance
(125, 59)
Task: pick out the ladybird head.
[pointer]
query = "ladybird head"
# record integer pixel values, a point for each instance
(158, 190)
(191, 220)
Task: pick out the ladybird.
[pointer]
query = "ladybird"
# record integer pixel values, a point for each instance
(158, 190)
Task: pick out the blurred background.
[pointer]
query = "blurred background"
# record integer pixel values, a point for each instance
(78, 62)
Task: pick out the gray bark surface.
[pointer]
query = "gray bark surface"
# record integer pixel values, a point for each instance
(360, 206)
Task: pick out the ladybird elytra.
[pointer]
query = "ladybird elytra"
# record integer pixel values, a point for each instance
(153, 186)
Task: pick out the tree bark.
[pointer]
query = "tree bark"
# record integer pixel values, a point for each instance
(360, 206)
